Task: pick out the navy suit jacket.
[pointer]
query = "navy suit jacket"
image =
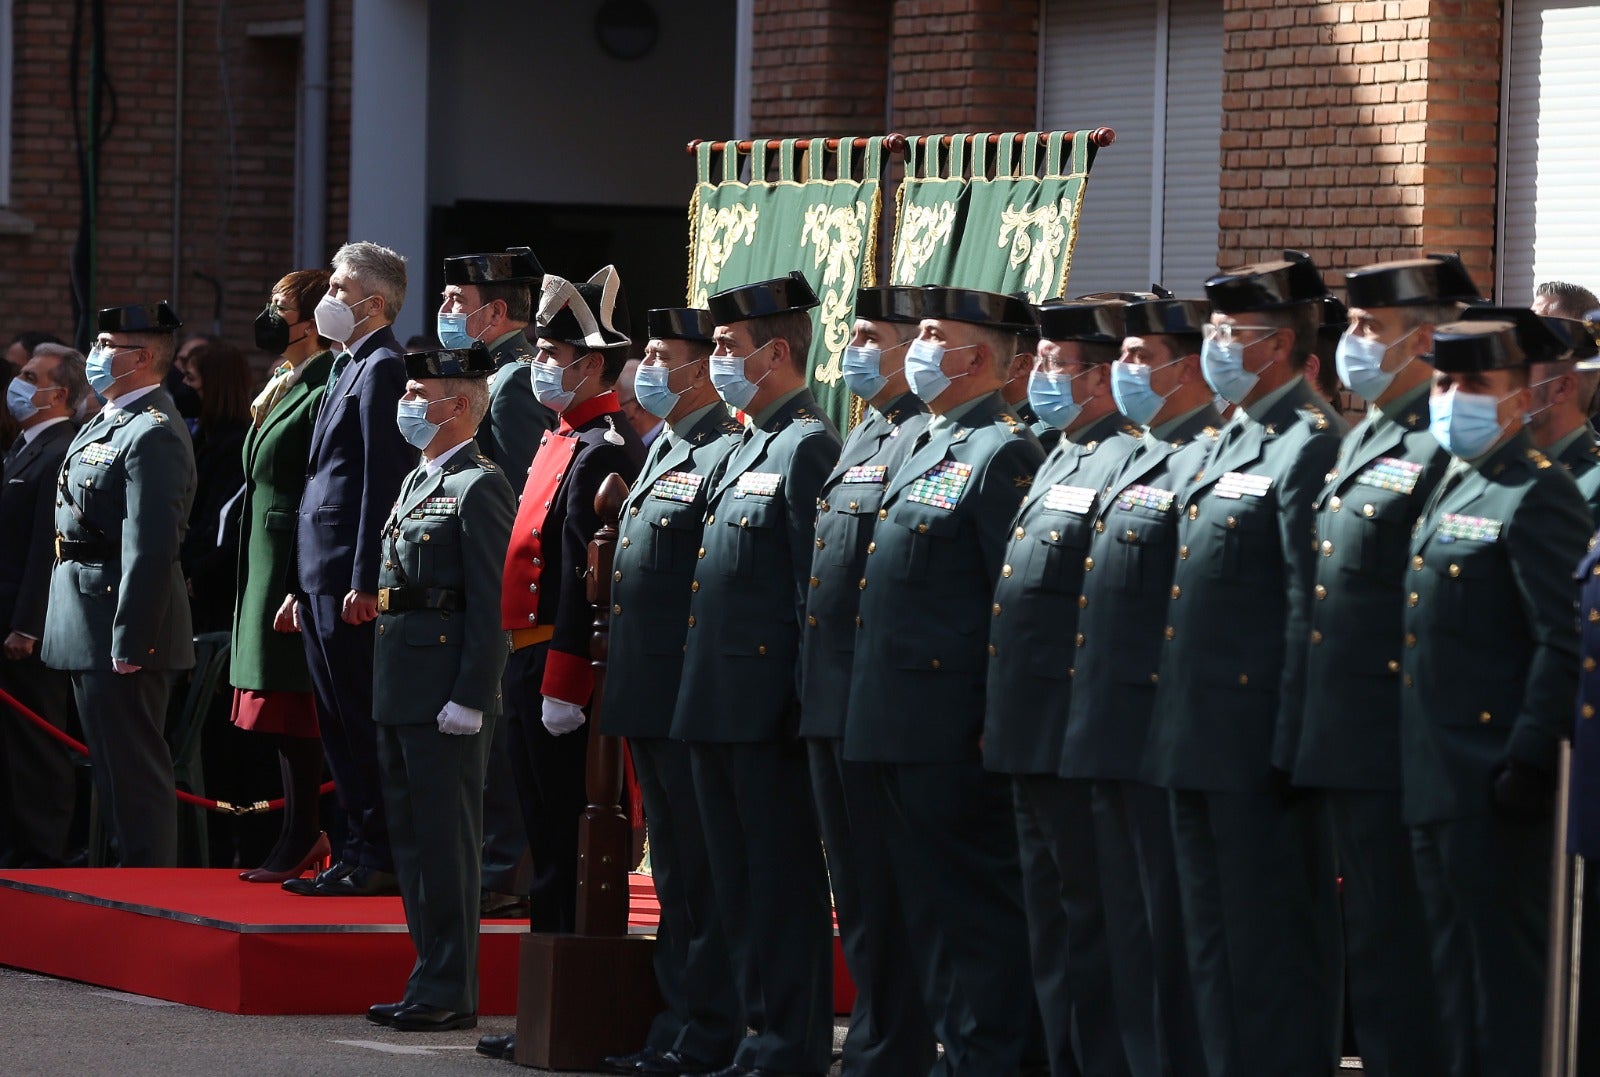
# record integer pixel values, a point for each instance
(358, 461)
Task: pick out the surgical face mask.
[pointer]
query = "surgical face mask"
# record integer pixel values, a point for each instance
(1223, 365)
(19, 399)
(452, 329)
(924, 368)
(1359, 361)
(651, 387)
(862, 370)
(97, 368)
(412, 418)
(337, 321)
(1466, 424)
(547, 379)
(1050, 393)
(1130, 388)
(728, 378)
(1547, 405)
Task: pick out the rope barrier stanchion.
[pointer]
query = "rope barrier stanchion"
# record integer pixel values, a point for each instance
(221, 807)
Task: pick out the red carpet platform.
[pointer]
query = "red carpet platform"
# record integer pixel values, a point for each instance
(203, 938)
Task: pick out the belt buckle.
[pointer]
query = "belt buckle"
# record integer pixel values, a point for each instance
(383, 600)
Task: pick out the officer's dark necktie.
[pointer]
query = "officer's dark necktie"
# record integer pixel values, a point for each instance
(340, 361)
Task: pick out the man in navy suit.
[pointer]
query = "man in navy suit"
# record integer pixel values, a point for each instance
(358, 461)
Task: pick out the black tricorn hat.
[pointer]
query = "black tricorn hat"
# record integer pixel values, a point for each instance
(1125, 297)
(1335, 320)
(1438, 278)
(1472, 347)
(989, 309)
(1092, 323)
(515, 266)
(1166, 317)
(1267, 285)
(589, 314)
(1542, 339)
(679, 323)
(473, 362)
(139, 318)
(780, 295)
(890, 304)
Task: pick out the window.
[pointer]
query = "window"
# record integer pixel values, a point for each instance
(1152, 71)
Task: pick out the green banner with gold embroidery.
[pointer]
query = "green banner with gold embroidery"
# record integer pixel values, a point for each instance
(993, 212)
(777, 206)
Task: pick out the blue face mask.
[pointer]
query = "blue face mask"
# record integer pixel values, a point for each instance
(651, 388)
(861, 369)
(1051, 396)
(1359, 361)
(924, 368)
(19, 399)
(452, 329)
(547, 379)
(97, 368)
(1223, 366)
(412, 418)
(1130, 388)
(728, 378)
(1466, 424)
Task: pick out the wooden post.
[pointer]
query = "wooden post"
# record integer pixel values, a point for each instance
(584, 996)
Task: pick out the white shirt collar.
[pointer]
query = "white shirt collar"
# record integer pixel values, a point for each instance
(355, 345)
(34, 431)
(127, 400)
(432, 466)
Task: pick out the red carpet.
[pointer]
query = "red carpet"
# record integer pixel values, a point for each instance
(203, 938)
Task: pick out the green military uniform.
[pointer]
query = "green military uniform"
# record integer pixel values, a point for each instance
(654, 565)
(1133, 548)
(1029, 689)
(738, 708)
(916, 708)
(510, 432)
(275, 455)
(439, 641)
(1579, 453)
(889, 1028)
(1254, 867)
(117, 593)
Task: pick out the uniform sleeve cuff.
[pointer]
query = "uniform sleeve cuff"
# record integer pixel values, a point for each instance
(567, 677)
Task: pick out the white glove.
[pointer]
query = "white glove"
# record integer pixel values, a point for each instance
(459, 721)
(560, 716)
(124, 667)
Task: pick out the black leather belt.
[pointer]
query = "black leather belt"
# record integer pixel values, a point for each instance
(85, 549)
(403, 599)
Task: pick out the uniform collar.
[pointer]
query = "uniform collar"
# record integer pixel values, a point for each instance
(674, 432)
(126, 401)
(434, 466)
(593, 408)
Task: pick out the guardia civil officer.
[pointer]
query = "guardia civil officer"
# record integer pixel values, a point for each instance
(1131, 550)
(1254, 866)
(1029, 686)
(436, 692)
(1349, 744)
(917, 686)
(889, 1029)
(738, 706)
(1563, 392)
(486, 298)
(654, 567)
(118, 615)
(1489, 669)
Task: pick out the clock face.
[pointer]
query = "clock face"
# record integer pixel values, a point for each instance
(626, 29)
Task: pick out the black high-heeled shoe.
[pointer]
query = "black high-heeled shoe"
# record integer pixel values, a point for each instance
(319, 851)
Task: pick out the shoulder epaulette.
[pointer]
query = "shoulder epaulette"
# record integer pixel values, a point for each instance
(1011, 421)
(486, 463)
(1315, 416)
(1133, 430)
(1538, 459)
(156, 414)
(1210, 432)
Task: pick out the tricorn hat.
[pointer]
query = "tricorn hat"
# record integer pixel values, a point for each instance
(473, 362)
(139, 318)
(1092, 323)
(1335, 320)
(1542, 339)
(515, 266)
(1472, 347)
(1125, 297)
(1267, 285)
(679, 323)
(1166, 317)
(779, 295)
(1438, 278)
(989, 309)
(589, 314)
(890, 304)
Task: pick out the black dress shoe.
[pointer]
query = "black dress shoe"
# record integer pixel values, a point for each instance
(493, 905)
(362, 882)
(420, 1017)
(308, 887)
(633, 1063)
(383, 1012)
(502, 1047)
(676, 1062)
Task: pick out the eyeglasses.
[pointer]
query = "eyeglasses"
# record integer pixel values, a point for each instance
(1227, 332)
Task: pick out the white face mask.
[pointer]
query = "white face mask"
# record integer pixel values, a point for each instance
(336, 320)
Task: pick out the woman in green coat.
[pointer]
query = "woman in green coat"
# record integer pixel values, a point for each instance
(272, 688)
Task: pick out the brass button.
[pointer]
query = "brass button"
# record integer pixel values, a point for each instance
(617, 608)
(615, 576)
(815, 582)
(1588, 710)
(922, 529)
(1169, 632)
(1320, 591)
(1485, 717)
(854, 505)
(1083, 601)
(1130, 534)
(1021, 533)
(1368, 511)
(1454, 570)
(1411, 639)
(381, 629)
(1088, 564)
(694, 586)
(1155, 678)
(634, 511)
(1080, 639)
(1394, 666)
(1099, 527)
(1413, 598)
(426, 537)
(663, 521)
(1055, 536)
(1233, 521)
(883, 514)
(701, 553)
(444, 639)
(1176, 591)
(1334, 503)
(761, 649)
(858, 620)
(711, 519)
(1183, 553)
(1416, 563)
(1588, 665)
(624, 543)
(935, 663)
(811, 619)
(872, 547)
(863, 583)
(1072, 671)
(1327, 547)
(820, 544)
(995, 609)
(1244, 678)
(992, 651)
(691, 620)
(744, 521)
(533, 588)
(1594, 616)
(1316, 635)
(533, 618)
(1005, 570)
(1194, 512)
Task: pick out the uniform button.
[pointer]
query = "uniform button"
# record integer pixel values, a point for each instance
(922, 529)
(1155, 678)
(537, 562)
(872, 547)
(1130, 534)
(744, 521)
(821, 545)
(711, 519)
(1088, 564)
(1406, 680)
(58, 502)
(762, 649)
(858, 620)
(1194, 512)
(935, 663)
(617, 608)
(616, 576)
(547, 504)
(854, 505)
(1454, 570)
(388, 564)
(1244, 678)
(1177, 591)
(1485, 717)
(1334, 503)
(1594, 617)
(811, 620)
(691, 620)
(1327, 547)
(814, 581)
(995, 609)
(1005, 570)
(663, 521)
(1316, 635)
(702, 553)
(1588, 665)
(1233, 521)
(1416, 563)
(992, 651)
(1413, 598)
(1588, 710)
(1099, 528)
(1021, 533)
(634, 511)
(1411, 639)
(533, 618)
(1394, 666)
(863, 583)
(444, 639)
(883, 514)
(1169, 632)
(1320, 591)
(1080, 639)
(1083, 601)
(533, 588)
(1055, 536)
(425, 538)
(1072, 671)
(1593, 572)
(694, 586)
(1368, 511)
(822, 506)
(624, 542)
(1183, 553)
(381, 628)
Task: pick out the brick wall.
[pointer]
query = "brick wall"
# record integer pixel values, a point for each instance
(818, 66)
(965, 65)
(1360, 131)
(237, 212)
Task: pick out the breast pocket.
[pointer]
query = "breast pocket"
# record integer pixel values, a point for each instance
(931, 541)
(1465, 585)
(1376, 530)
(433, 543)
(757, 526)
(1059, 545)
(674, 533)
(1141, 547)
(1244, 534)
(856, 507)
